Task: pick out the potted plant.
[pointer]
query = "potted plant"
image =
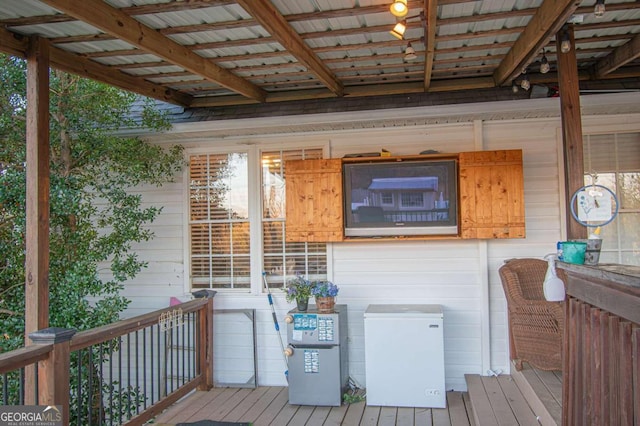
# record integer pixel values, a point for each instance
(325, 293)
(299, 290)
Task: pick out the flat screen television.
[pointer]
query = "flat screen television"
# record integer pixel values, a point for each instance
(398, 198)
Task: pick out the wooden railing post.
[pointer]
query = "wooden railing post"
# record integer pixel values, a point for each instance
(53, 372)
(206, 339)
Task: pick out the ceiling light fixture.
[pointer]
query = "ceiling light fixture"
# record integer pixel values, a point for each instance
(410, 53)
(598, 9)
(525, 83)
(399, 8)
(565, 43)
(399, 29)
(544, 63)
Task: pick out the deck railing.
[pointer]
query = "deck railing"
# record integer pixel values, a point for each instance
(122, 373)
(601, 383)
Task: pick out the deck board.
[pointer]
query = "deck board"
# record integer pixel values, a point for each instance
(552, 382)
(424, 417)
(256, 410)
(266, 406)
(533, 397)
(440, 417)
(336, 415)
(267, 416)
(405, 416)
(539, 389)
(457, 411)
(370, 416)
(467, 403)
(301, 416)
(354, 414)
(501, 408)
(387, 416)
(319, 416)
(482, 410)
(517, 402)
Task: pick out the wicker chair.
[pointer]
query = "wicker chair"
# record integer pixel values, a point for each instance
(535, 325)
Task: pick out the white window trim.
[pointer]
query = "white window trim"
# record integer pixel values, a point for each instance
(254, 152)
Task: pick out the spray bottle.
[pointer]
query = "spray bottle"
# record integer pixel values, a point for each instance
(595, 235)
(553, 287)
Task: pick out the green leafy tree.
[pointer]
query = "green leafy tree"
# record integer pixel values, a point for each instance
(95, 215)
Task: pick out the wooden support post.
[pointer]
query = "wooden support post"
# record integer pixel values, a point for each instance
(571, 126)
(53, 372)
(37, 198)
(206, 339)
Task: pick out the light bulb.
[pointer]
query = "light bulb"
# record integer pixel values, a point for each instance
(565, 44)
(399, 8)
(514, 87)
(525, 83)
(599, 9)
(410, 53)
(544, 64)
(399, 29)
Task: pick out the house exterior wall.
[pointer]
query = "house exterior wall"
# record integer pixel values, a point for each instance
(461, 275)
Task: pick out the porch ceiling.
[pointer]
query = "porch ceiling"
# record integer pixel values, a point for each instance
(218, 52)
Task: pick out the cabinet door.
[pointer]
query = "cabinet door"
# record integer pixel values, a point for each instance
(492, 194)
(314, 200)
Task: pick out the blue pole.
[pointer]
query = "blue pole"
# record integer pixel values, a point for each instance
(275, 323)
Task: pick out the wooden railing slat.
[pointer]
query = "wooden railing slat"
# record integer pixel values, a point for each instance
(110, 331)
(14, 360)
(54, 381)
(601, 348)
(158, 408)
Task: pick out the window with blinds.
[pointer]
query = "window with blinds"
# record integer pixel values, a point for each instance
(613, 161)
(284, 260)
(220, 225)
(219, 221)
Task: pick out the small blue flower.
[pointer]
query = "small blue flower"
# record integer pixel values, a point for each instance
(324, 289)
(298, 288)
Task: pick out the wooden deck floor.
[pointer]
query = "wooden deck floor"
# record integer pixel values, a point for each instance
(269, 406)
(530, 397)
(543, 391)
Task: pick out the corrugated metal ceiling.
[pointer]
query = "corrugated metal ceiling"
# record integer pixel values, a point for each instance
(261, 51)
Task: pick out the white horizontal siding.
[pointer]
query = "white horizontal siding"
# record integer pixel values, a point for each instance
(445, 272)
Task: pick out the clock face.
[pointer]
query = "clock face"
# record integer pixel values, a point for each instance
(594, 205)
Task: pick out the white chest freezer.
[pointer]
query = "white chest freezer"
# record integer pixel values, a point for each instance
(404, 355)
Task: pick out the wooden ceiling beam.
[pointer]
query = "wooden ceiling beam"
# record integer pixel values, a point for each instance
(174, 6)
(16, 45)
(606, 25)
(148, 9)
(626, 72)
(276, 25)
(479, 34)
(431, 17)
(481, 17)
(345, 32)
(415, 42)
(253, 73)
(213, 26)
(355, 91)
(369, 89)
(545, 23)
(620, 56)
(113, 21)
(611, 7)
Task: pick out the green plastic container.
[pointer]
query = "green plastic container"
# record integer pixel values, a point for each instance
(573, 252)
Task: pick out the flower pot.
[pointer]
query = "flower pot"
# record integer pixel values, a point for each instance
(325, 304)
(303, 304)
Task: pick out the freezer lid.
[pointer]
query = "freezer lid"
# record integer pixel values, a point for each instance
(405, 311)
